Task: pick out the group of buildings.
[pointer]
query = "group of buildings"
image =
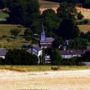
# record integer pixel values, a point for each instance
(44, 43)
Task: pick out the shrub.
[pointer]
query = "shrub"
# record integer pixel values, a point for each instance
(72, 61)
(54, 68)
(56, 57)
(86, 56)
(20, 57)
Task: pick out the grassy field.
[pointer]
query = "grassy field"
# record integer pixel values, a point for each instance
(47, 4)
(84, 28)
(5, 36)
(40, 68)
(5, 29)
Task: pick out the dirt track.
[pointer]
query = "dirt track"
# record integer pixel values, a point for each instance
(59, 80)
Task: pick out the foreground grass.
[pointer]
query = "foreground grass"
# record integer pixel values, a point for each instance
(40, 68)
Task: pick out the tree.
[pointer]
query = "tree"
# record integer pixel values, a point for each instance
(57, 42)
(15, 32)
(67, 10)
(78, 44)
(23, 11)
(87, 36)
(15, 14)
(20, 57)
(86, 4)
(50, 20)
(68, 29)
(80, 16)
(1, 4)
(56, 57)
(86, 56)
(28, 34)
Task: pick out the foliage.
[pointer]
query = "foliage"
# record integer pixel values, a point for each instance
(78, 43)
(1, 4)
(56, 57)
(27, 34)
(20, 57)
(86, 56)
(72, 61)
(67, 10)
(36, 26)
(50, 19)
(86, 4)
(57, 42)
(15, 32)
(87, 36)
(68, 29)
(80, 16)
(23, 11)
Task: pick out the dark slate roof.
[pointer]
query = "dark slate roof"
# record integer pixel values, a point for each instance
(48, 40)
(34, 46)
(3, 52)
(71, 52)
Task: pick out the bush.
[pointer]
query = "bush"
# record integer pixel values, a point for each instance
(20, 57)
(80, 16)
(86, 21)
(56, 57)
(54, 68)
(86, 56)
(2, 61)
(72, 61)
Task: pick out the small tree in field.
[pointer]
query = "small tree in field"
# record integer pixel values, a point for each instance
(56, 57)
(15, 32)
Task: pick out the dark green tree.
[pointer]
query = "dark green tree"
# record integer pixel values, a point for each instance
(28, 34)
(78, 44)
(15, 32)
(15, 14)
(1, 4)
(80, 16)
(86, 56)
(67, 10)
(20, 57)
(23, 11)
(68, 29)
(50, 20)
(56, 57)
(57, 42)
(87, 36)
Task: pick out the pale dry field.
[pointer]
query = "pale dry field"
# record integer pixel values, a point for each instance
(48, 80)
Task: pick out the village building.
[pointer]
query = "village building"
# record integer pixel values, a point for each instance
(45, 42)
